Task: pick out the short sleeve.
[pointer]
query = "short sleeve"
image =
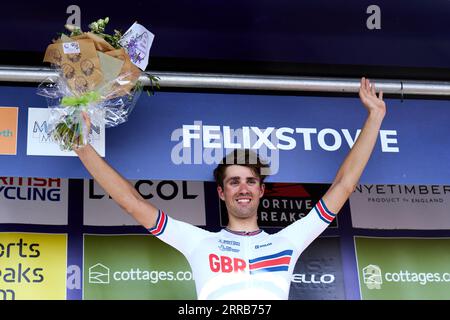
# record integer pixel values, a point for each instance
(304, 231)
(181, 235)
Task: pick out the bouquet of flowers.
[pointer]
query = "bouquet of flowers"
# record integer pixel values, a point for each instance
(98, 74)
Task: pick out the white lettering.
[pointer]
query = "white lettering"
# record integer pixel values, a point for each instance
(336, 136)
(263, 138)
(306, 136)
(188, 136)
(228, 141)
(385, 141)
(291, 141)
(208, 136)
(349, 138)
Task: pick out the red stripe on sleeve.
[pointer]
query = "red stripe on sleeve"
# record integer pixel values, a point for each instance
(160, 224)
(324, 213)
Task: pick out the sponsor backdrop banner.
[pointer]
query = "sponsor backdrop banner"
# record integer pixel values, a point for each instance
(318, 274)
(134, 267)
(73, 242)
(403, 268)
(8, 130)
(182, 136)
(401, 207)
(40, 143)
(180, 199)
(284, 203)
(33, 200)
(33, 266)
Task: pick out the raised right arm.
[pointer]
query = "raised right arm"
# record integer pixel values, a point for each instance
(122, 192)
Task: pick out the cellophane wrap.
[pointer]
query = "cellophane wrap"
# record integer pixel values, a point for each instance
(92, 76)
(106, 107)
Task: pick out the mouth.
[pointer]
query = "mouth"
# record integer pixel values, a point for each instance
(243, 201)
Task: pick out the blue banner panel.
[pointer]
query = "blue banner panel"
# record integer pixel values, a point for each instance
(386, 33)
(182, 136)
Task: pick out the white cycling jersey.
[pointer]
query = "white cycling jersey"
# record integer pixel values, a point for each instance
(243, 265)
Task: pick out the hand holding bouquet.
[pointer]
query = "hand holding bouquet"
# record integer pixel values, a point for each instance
(97, 74)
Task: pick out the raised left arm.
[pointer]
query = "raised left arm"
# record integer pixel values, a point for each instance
(353, 166)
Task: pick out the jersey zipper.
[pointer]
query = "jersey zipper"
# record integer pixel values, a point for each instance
(247, 256)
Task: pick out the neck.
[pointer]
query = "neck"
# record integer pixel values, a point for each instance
(247, 225)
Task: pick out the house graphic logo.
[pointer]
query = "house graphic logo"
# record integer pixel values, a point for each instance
(372, 277)
(99, 274)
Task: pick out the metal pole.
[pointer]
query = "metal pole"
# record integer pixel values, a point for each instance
(250, 82)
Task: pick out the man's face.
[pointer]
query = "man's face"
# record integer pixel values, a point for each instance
(241, 191)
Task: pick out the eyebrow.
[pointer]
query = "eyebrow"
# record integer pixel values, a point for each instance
(239, 178)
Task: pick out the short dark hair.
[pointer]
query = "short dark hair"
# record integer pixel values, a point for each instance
(241, 157)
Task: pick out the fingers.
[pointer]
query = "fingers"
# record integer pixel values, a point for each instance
(362, 87)
(380, 95)
(373, 90)
(367, 88)
(364, 90)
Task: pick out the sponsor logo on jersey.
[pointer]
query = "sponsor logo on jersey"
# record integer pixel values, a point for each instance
(229, 242)
(259, 246)
(227, 248)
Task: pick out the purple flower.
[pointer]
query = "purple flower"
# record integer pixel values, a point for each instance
(133, 51)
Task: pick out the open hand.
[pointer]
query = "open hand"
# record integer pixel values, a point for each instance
(368, 96)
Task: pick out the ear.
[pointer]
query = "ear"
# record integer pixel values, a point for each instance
(220, 193)
(261, 190)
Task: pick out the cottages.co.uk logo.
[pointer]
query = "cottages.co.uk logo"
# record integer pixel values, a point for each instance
(101, 274)
(373, 277)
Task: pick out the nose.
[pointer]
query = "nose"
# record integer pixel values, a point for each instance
(243, 188)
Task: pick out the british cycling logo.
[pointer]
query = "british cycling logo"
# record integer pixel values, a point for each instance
(372, 277)
(31, 189)
(99, 274)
